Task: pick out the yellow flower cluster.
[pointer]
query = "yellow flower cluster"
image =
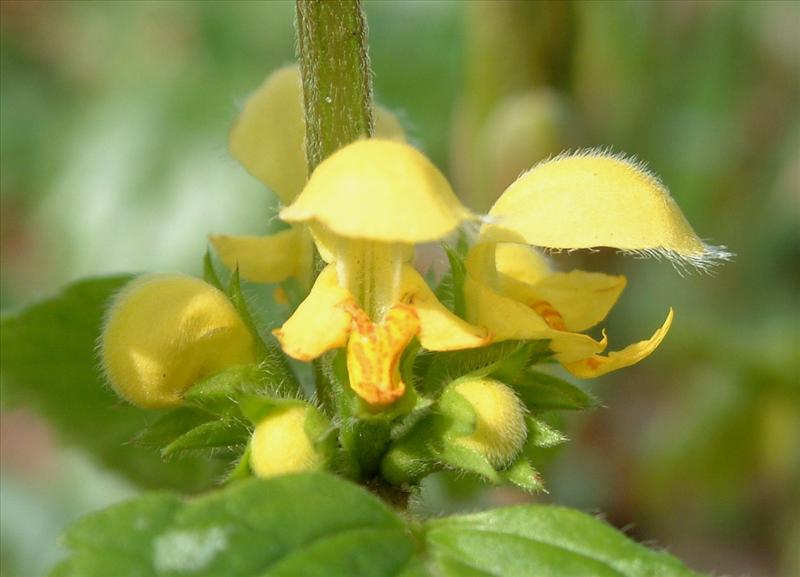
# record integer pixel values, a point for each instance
(365, 208)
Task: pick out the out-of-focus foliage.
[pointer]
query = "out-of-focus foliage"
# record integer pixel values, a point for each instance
(113, 152)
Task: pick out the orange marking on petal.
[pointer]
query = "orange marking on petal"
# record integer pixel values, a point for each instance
(280, 296)
(550, 315)
(593, 363)
(374, 352)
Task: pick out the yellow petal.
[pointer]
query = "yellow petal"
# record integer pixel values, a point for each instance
(573, 301)
(321, 322)
(508, 319)
(593, 199)
(440, 329)
(520, 262)
(163, 333)
(597, 365)
(266, 259)
(268, 136)
(374, 352)
(379, 190)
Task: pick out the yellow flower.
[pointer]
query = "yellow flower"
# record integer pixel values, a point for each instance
(581, 201)
(268, 139)
(367, 206)
(164, 333)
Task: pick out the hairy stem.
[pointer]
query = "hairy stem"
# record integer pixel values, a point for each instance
(337, 86)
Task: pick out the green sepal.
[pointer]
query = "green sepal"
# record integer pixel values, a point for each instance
(459, 457)
(522, 474)
(450, 290)
(542, 435)
(364, 442)
(271, 358)
(445, 367)
(227, 432)
(413, 453)
(240, 469)
(541, 391)
(210, 273)
(322, 433)
(256, 408)
(457, 414)
(220, 393)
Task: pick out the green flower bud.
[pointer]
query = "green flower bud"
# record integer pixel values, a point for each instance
(286, 441)
(499, 428)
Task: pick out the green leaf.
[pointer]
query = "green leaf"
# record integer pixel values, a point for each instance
(50, 362)
(544, 541)
(540, 391)
(294, 526)
(315, 524)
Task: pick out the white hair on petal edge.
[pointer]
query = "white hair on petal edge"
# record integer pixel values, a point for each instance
(705, 262)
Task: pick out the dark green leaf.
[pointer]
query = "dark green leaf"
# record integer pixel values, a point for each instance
(540, 391)
(49, 360)
(293, 526)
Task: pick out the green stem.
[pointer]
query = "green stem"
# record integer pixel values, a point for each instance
(334, 64)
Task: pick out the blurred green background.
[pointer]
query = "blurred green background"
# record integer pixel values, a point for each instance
(114, 120)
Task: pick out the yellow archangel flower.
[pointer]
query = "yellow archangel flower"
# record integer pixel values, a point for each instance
(586, 200)
(268, 139)
(367, 205)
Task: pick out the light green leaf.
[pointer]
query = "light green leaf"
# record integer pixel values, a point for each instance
(293, 526)
(50, 362)
(541, 541)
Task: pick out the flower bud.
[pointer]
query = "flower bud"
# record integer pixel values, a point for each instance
(285, 442)
(164, 333)
(499, 430)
